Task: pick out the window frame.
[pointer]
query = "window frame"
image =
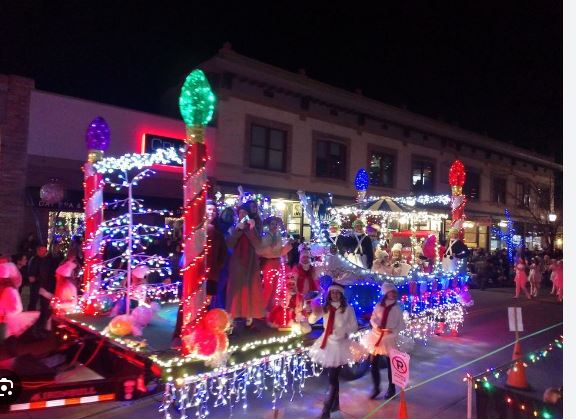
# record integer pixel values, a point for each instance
(502, 181)
(268, 125)
(317, 138)
(465, 190)
(434, 165)
(375, 149)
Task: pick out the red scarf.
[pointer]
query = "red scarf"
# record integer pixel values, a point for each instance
(383, 322)
(329, 326)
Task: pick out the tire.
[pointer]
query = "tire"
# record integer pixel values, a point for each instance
(356, 371)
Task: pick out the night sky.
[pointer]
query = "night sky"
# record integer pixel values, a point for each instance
(494, 67)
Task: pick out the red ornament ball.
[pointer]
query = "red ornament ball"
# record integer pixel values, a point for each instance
(216, 320)
(200, 341)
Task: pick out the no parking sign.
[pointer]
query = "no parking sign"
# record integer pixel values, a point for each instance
(400, 363)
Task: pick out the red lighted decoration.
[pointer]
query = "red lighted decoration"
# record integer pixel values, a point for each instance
(457, 174)
(456, 178)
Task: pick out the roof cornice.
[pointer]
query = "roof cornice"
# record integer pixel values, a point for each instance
(305, 86)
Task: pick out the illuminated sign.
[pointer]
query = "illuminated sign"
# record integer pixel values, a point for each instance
(153, 142)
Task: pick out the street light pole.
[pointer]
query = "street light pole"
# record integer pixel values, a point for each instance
(552, 219)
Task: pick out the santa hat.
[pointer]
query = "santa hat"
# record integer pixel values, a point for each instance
(335, 286)
(388, 287)
(397, 247)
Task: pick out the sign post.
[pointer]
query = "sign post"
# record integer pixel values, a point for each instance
(400, 365)
(515, 320)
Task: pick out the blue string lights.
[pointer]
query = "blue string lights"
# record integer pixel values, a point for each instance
(508, 235)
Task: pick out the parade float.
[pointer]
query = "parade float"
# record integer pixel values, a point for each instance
(405, 237)
(122, 327)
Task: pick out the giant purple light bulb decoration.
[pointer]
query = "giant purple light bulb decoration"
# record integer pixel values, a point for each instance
(97, 141)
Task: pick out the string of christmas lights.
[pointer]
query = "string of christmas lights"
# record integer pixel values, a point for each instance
(121, 236)
(485, 380)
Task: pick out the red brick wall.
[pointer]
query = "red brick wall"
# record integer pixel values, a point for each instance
(15, 94)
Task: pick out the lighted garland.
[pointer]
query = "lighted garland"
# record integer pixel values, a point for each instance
(483, 380)
(278, 376)
(138, 161)
(422, 199)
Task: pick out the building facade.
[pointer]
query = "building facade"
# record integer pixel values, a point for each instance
(282, 131)
(275, 132)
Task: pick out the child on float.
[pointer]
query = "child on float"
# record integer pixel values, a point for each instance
(334, 349)
(387, 321)
(305, 273)
(289, 313)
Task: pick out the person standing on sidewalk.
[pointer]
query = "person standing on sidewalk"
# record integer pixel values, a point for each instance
(387, 321)
(334, 349)
(43, 274)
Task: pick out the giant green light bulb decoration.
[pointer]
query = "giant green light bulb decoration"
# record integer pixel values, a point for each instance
(197, 103)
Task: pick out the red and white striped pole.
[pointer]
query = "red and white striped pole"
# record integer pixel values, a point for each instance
(197, 103)
(195, 230)
(456, 179)
(97, 141)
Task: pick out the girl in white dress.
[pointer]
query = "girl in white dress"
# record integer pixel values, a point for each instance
(387, 321)
(333, 348)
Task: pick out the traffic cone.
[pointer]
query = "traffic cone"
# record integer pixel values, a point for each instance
(517, 374)
(403, 412)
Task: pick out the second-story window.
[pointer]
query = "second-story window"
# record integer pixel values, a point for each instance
(381, 169)
(499, 190)
(544, 198)
(471, 187)
(422, 176)
(330, 159)
(522, 195)
(267, 148)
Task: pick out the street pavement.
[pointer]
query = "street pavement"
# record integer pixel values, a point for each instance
(485, 330)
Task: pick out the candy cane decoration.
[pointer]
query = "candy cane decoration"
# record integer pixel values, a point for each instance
(97, 141)
(456, 178)
(197, 108)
